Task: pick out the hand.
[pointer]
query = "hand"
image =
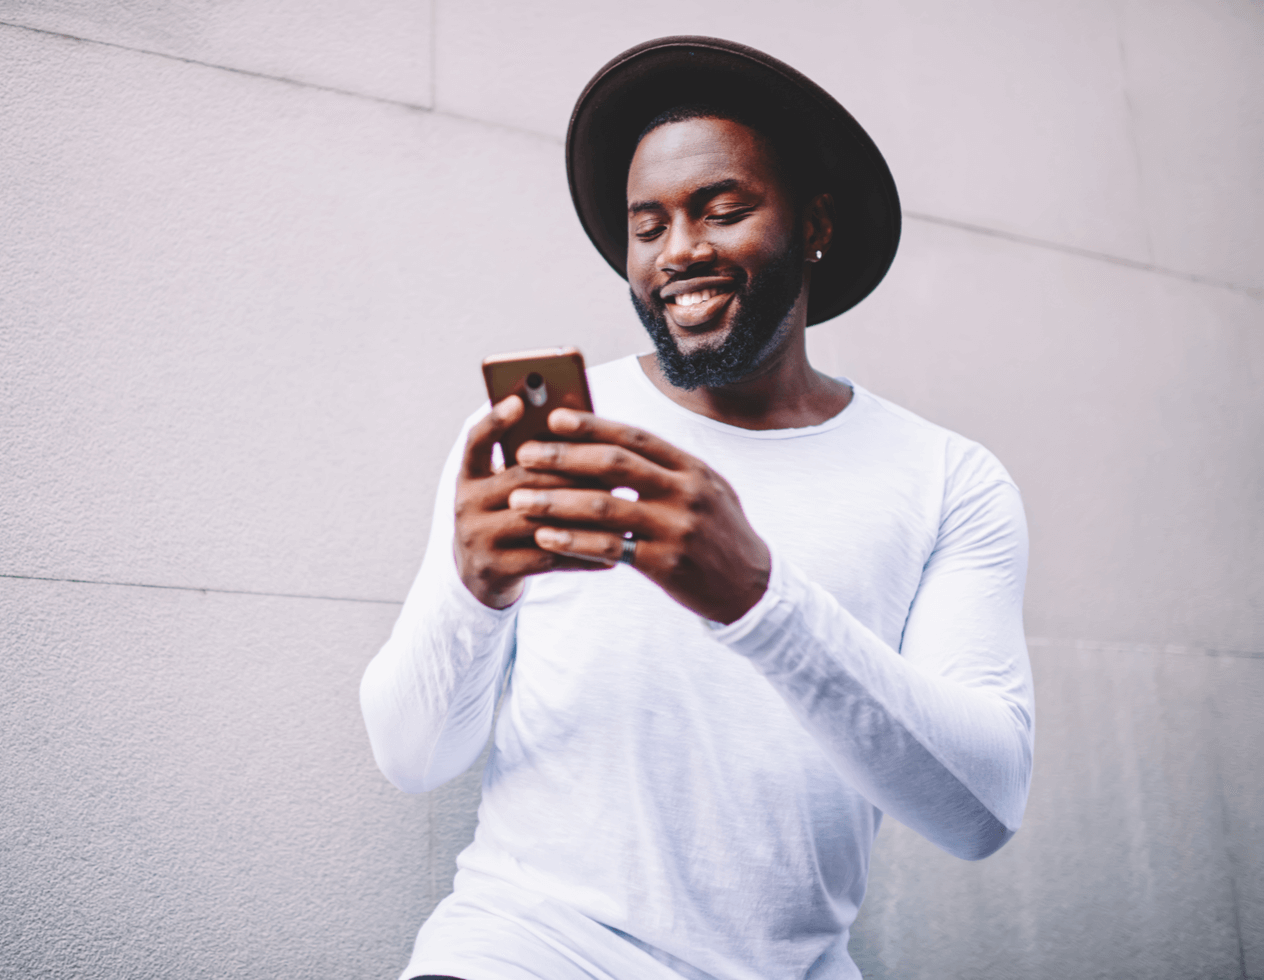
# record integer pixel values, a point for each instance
(494, 546)
(692, 538)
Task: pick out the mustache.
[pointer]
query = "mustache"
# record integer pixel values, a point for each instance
(738, 277)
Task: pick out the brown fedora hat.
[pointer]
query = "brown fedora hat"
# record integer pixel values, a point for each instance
(633, 88)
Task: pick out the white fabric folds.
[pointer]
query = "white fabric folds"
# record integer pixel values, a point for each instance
(705, 799)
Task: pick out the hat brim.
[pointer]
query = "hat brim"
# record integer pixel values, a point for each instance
(633, 88)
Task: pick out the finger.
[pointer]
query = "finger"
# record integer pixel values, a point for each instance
(612, 466)
(496, 557)
(487, 500)
(508, 530)
(586, 427)
(494, 492)
(485, 433)
(536, 561)
(593, 545)
(589, 507)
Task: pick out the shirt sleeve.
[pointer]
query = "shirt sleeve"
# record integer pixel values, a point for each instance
(940, 733)
(429, 695)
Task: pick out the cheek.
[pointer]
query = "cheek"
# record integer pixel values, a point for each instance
(756, 242)
(640, 269)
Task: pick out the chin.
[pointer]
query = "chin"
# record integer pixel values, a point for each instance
(692, 341)
(750, 331)
(712, 360)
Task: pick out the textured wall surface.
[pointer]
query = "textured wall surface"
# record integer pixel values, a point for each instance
(251, 255)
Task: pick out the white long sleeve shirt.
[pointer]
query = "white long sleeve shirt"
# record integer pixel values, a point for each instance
(665, 798)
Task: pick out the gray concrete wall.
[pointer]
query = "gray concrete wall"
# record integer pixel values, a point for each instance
(250, 255)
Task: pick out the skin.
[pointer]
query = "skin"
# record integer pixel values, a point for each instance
(707, 210)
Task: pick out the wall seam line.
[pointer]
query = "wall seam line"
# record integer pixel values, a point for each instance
(1084, 253)
(1130, 117)
(1146, 649)
(1037, 642)
(202, 589)
(434, 54)
(1226, 830)
(1254, 292)
(298, 83)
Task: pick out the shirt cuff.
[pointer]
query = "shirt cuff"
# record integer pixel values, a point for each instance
(748, 635)
(482, 617)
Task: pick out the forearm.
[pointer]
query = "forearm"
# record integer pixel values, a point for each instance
(951, 759)
(429, 695)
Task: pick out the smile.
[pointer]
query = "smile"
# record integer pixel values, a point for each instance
(695, 304)
(693, 299)
(693, 310)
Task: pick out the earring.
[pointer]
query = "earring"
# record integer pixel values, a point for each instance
(818, 255)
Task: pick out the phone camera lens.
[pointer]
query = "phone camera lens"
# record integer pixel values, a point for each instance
(537, 395)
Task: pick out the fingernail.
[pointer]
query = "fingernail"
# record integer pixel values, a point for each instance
(552, 537)
(521, 499)
(527, 455)
(563, 420)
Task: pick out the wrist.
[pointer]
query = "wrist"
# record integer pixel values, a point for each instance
(494, 592)
(769, 606)
(501, 598)
(748, 595)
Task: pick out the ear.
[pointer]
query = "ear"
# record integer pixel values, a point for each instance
(818, 226)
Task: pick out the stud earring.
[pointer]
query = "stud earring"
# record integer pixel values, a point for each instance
(818, 255)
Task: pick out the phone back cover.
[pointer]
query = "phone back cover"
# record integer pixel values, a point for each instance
(565, 385)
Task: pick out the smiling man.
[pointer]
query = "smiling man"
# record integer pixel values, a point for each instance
(810, 615)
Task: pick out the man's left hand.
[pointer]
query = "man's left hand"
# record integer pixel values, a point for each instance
(692, 538)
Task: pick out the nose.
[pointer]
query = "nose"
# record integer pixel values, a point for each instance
(684, 244)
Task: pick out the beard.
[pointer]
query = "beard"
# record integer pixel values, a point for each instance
(764, 303)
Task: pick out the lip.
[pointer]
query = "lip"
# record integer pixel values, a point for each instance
(680, 287)
(698, 314)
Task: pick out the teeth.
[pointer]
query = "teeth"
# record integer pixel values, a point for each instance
(693, 299)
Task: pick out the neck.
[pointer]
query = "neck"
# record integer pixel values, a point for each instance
(785, 392)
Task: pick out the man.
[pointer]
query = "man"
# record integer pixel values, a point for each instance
(816, 619)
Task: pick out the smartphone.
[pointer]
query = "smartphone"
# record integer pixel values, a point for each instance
(544, 379)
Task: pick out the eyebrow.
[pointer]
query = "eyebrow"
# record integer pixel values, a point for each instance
(701, 194)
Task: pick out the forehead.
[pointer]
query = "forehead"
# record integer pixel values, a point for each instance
(696, 152)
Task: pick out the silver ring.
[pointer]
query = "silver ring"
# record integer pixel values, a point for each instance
(628, 554)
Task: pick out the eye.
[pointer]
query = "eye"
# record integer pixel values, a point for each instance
(730, 216)
(647, 232)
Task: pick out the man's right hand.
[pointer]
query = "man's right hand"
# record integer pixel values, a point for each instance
(495, 547)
